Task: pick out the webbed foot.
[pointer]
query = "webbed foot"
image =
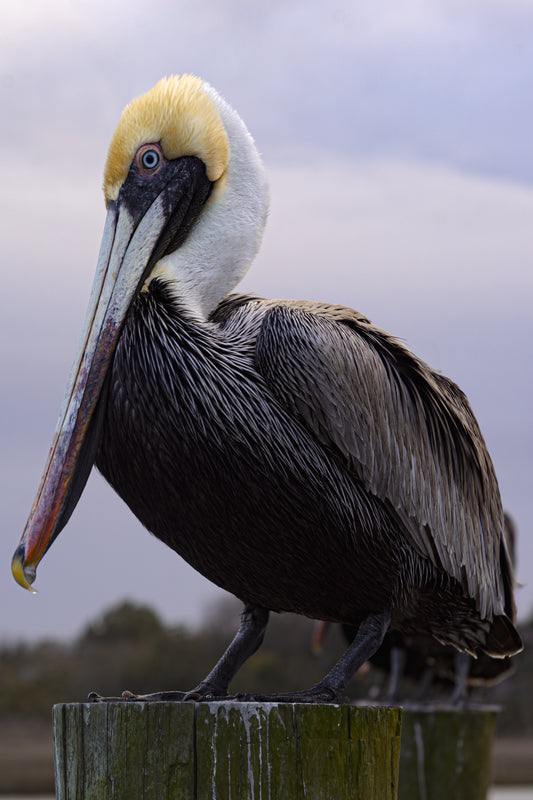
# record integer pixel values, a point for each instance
(318, 694)
(130, 697)
(201, 692)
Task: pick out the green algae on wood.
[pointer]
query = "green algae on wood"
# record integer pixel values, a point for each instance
(309, 752)
(446, 754)
(226, 751)
(124, 751)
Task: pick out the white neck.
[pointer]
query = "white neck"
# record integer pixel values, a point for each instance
(224, 241)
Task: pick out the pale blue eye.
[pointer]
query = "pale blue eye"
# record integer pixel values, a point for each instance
(150, 159)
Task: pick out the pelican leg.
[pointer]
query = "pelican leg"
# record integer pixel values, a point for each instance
(462, 670)
(398, 658)
(247, 640)
(368, 638)
(424, 684)
(215, 686)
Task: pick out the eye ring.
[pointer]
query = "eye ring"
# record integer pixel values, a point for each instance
(150, 159)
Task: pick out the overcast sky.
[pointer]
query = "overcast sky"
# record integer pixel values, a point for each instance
(398, 138)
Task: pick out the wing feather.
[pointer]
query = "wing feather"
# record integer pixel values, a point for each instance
(405, 430)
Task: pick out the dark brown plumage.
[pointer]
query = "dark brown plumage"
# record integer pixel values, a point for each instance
(202, 444)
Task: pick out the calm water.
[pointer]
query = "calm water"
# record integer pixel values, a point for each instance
(501, 793)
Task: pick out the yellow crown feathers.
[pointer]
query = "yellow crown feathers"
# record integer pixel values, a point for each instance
(180, 115)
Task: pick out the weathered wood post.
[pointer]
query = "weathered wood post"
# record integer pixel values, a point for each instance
(446, 754)
(226, 751)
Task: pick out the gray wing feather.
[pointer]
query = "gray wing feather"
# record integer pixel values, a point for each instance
(403, 429)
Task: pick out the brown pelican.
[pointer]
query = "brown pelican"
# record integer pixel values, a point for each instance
(292, 452)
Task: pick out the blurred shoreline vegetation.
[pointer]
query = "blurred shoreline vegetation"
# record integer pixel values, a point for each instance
(129, 647)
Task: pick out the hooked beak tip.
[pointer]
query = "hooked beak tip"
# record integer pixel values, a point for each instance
(24, 575)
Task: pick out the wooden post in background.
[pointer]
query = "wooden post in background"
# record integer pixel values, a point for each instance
(446, 754)
(225, 751)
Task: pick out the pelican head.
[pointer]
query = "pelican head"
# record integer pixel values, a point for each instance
(186, 202)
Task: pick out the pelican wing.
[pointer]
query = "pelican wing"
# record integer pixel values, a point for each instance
(405, 431)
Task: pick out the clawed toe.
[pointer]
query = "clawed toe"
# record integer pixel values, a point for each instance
(155, 697)
(94, 697)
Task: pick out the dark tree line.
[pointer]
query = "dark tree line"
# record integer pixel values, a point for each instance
(129, 647)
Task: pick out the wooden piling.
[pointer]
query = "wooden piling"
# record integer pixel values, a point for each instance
(225, 751)
(446, 754)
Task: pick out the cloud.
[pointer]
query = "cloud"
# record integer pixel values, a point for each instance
(420, 81)
(367, 224)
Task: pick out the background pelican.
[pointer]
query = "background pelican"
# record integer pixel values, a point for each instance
(429, 663)
(292, 452)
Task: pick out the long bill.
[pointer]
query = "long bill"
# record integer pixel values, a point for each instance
(126, 252)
